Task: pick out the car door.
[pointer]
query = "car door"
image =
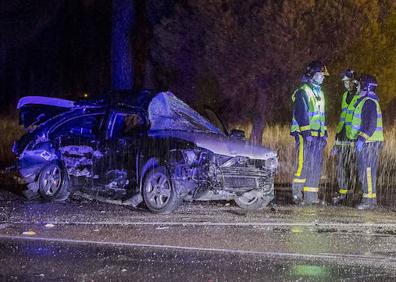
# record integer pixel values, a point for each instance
(118, 167)
(76, 139)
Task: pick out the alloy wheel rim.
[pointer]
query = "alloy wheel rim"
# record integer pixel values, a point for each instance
(51, 180)
(158, 190)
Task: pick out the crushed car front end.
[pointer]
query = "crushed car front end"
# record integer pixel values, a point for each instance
(217, 166)
(241, 174)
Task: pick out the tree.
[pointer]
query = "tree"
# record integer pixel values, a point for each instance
(122, 60)
(246, 57)
(21, 22)
(375, 52)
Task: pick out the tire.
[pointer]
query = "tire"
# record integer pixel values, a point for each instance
(53, 183)
(159, 195)
(253, 200)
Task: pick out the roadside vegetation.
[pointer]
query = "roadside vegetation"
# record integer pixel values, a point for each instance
(9, 132)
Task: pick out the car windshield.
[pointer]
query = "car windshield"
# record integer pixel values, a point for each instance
(167, 112)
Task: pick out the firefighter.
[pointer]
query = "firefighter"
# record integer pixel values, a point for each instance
(343, 149)
(310, 132)
(366, 128)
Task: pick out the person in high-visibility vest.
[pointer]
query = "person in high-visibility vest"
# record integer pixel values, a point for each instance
(367, 129)
(343, 148)
(310, 132)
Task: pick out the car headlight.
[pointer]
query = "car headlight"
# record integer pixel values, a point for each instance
(189, 156)
(271, 164)
(195, 156)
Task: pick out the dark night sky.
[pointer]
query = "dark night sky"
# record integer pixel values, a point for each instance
(54, 50)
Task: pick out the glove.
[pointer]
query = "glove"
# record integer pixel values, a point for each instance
(359, 145)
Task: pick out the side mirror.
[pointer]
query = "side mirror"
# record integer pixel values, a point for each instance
(237, 134)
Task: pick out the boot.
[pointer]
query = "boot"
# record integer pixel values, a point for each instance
(314, 202)
(365, 205)
(298, 200)
(339, 199)
(311, 198)
(297, 196)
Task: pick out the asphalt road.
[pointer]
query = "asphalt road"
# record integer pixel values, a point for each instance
(86, 240)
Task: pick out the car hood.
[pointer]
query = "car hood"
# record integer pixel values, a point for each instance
(167, 112)
(219, 144)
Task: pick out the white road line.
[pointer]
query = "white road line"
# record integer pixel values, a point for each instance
(184, 248)
(208, 223)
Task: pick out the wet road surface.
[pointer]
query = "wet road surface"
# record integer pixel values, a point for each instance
(57, 261)
(87, 240)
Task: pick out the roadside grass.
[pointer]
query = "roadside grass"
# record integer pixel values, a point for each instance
(9, 132)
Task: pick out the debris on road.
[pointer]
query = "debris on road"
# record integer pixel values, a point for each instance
(4, 225)
(162, 227)
(29, 233)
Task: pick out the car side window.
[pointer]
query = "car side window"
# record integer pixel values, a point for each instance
(85, 126)
(126, 125)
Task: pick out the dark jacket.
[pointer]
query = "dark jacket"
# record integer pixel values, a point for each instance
(369, 115)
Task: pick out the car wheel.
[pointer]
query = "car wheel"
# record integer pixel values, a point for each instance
(158, 192)
(53, 183)
(253, 200)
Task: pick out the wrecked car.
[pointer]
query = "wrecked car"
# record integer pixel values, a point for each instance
(159, 152)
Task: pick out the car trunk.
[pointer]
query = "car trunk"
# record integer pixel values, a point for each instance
(34, 110)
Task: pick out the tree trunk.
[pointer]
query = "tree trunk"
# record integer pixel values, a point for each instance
(3, 60)
(144, 70)
(256, 136)
(122, 72)
(149, 75)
